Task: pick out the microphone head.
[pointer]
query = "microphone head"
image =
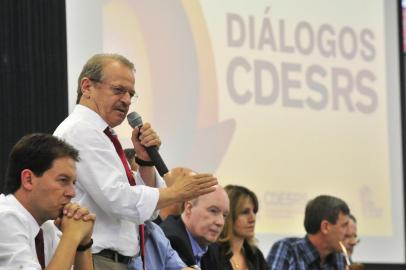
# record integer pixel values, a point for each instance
(134, 119)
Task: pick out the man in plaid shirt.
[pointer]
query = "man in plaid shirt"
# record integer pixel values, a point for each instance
(326, 222)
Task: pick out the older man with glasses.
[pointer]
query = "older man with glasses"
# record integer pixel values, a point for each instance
(351, 236)
(121, 199)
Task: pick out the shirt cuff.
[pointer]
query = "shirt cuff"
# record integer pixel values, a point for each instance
(159, 181)
(149, 197)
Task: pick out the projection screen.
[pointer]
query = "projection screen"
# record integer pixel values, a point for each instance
(291, 99)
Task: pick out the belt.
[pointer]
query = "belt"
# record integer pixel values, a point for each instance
(114, 256)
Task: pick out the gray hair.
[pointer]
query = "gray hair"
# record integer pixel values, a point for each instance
(93, 68)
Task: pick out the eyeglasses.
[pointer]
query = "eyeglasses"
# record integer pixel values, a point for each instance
(119, 90)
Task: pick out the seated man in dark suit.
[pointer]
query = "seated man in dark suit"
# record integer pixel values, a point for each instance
(200, 224)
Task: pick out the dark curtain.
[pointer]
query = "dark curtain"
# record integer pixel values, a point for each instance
(33, 70)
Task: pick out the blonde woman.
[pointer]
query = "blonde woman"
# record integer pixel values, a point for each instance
(236, 245)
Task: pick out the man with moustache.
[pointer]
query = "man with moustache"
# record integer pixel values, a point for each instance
(121, 199)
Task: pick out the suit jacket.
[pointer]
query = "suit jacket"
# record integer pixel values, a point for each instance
(175, 231)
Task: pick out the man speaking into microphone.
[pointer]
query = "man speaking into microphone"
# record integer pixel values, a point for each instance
(121, 200)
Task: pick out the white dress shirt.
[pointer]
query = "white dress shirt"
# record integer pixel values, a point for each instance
(103, 187)
(18, 229)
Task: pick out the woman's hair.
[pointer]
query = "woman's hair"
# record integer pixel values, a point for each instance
(238, 196)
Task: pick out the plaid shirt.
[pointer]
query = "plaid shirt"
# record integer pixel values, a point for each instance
(300, 254)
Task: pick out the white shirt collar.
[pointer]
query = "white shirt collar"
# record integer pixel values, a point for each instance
(91, 116)
(32, 223)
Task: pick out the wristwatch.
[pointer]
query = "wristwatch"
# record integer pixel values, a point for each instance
(81, 248)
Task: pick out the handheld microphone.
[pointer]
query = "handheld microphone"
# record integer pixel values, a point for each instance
(135, 120)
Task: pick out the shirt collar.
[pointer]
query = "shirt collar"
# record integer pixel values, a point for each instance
(312, 255)
(198, 251)
(32, 223)
(91, 116)
(311, 252)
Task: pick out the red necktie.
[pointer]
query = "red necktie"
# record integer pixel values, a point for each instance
(131, 180)
(39, 247)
